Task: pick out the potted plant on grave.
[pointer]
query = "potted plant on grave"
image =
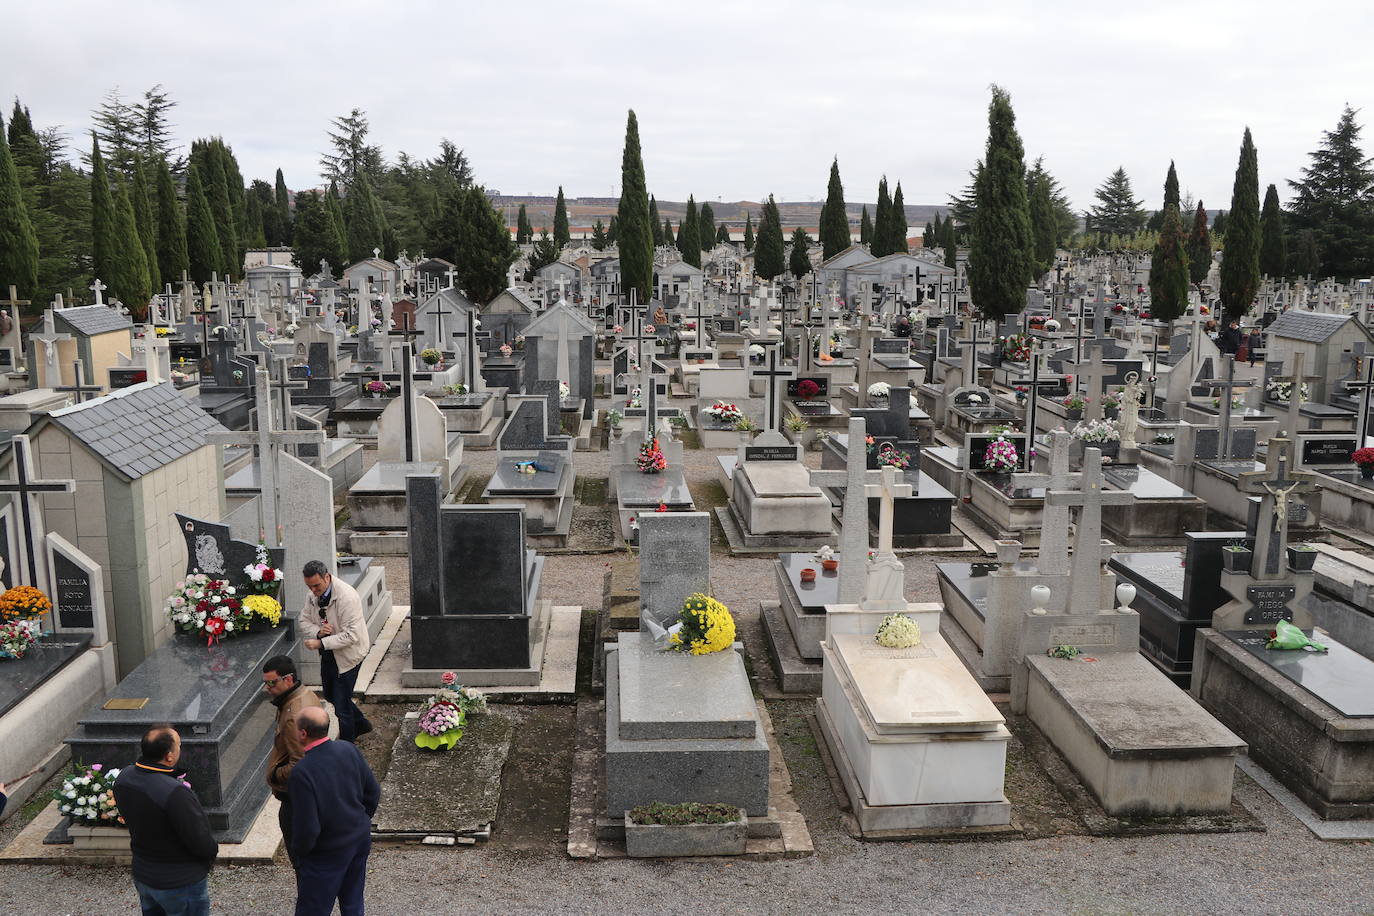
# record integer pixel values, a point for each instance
(651, 459)
(1236, 556)
(1074, 405)
(431, 357)
(505, 351)
(1364, 460)
(455, 390)
(659, 830)
(798, 426)
(889, 456)
(446, 712)
(747, 429)
(898, 631)
(1111, 405)
(614, 417)
(376, 388)
(880, 390)
(725, 413)
(1100, 434)
(704, 625)
(1000, 457)
(21, 614)
(520, 341)
(1302, 557)
(1015, 348)
(86, 798)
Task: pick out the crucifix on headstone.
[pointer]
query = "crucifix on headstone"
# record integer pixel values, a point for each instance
(773, 374)
(13, 303)
(1227, 386)
(439, 313)
(408, 387)
(284, 385)
(1033, 389)
(269, 442)
(1274, 485)
(1296, 382)
(77, 388)
(49, 338)
(885, 579)
(854, 514)
(25, 490)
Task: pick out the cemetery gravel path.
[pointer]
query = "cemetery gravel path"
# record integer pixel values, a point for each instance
(524, 868)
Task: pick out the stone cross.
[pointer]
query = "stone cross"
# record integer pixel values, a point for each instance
(1362, 422)
(1274, 485)
(1095, 372)
(439, 313)
(1033, 388)
(49, 338)
(1054, 530)
(1296, 380)
(1227, 386)
(25, 490)
(885, 583)
(1086, 567)
(269, 442)
(77, 388)
(98, 288)
(471, 356)
(408, 388)
(14, 302)
(854, 515)
(773, 374)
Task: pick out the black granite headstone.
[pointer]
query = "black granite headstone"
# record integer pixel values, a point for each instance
(1269, 603)
(75, 594)
(1328, 451)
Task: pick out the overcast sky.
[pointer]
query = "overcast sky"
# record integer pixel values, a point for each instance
(735, 100)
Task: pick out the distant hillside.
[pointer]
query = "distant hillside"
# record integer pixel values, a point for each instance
(806, 213)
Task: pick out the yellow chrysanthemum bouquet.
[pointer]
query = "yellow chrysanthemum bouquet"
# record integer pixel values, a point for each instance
(704, 626)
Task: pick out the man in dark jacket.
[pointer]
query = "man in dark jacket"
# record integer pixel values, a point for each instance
(333, 797)
(169, 833)
(1229, 339)
(290, 696)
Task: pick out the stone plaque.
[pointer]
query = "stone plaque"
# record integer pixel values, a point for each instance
(1269, 603)
(123, 378)
(770, 453)
(75, 594)
(1327, 451)
(822, 384)
(6, 358)
(1097, 634)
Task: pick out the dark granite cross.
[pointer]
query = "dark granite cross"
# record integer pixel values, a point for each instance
(1362, 423)
(773, 374)
(1227, 385)
(77, 388)
(472, 344)
(1033, 389)
(25, 489)
(1274, 485)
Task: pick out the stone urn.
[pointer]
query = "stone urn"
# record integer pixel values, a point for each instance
(1008, 551)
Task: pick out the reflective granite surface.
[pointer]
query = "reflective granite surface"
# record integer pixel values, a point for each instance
(1340, 678)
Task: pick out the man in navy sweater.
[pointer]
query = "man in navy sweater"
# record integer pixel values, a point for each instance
(333, 797)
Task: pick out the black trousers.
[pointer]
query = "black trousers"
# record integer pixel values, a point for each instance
(337, 687)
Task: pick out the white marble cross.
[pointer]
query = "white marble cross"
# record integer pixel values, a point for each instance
(885, 584)
(98, 288)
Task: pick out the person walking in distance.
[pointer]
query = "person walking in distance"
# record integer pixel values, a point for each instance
(332, 623)
(333, 797)
(290, 696)
(169, 834)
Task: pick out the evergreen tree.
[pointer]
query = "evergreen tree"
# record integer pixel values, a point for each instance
(706, 227)
(927, 235)
(523, 230)
(1240, 256)
(635, 234)
(599, 236)
(1219, 224)
(313, 238)
(206, 154)
(171, 227)
(202, 242)
(748, 232)
(799, 261)
(1043, 227)
(865, 228)
(1169, 265)
(669, 238)
(950, 244)
(1065, 219)
(361, 218)
(687, 240)
(657, 222)
(103, 242)
(722, 234)
(1199, 247)
(1273, 256)
(146, 223)
(561, 234)
(1306, 259)
(257, 232)
(281, 222)
(896, 220)
(878, 241)
(1334, 200)
(18, 242)
(768, 254)
(834, 230)
(545, 253)
(484, 251)
(612, 231)
(129, 279)
(339, 257)
(1117, 211)
(1001, 250)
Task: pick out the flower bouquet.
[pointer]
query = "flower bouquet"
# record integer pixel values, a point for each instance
(207, 607)
(23, 603)
(564, 392)
(430, 356)
(891, 457)
(651, 459)
(1052, 325)
(87, 796)
(262, 578)
(879, 390)
(1000, 457)
(1283, 391)
(446, 712)
(1363, 458)
(264, 606)
(506, 350)
(1095, 432)
(725, 413)
(453, 390)
(1075, 402)
(17, 638)
(898, 631)
(377, 388)
(704, 626)
(1015, 348)
(807, 389)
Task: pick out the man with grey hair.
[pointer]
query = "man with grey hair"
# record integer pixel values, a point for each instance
(332, 624)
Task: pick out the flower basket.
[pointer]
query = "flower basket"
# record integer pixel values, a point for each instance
(17, 637)
(1000, 457)
(86, 796)
(446, 712)
(1363, 458)
(23, 602)
(431, 357)
(898, 631)
(709, 835)
(724, 412)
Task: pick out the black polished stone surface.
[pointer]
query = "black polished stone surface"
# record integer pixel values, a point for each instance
(474, 641)
(638, 490)
(970, 580)
(813, 596)
(550, 469)
(1340, 677)
(19, 676)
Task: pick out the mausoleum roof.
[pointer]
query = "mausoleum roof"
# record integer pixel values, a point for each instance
(92, 319)
(1313, 327)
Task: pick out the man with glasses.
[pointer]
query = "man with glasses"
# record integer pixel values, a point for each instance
(282, 683)
(332, 623)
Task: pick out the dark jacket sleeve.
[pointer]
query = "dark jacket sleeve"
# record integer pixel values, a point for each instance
(305, 815)
(372, 792)
(191, 825)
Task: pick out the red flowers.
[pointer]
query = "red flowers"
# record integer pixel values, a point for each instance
(1363, 456)
(808, 389)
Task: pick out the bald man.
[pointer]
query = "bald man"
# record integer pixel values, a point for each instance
(333, 797)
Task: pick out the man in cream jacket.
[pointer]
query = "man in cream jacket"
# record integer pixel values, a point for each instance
(332, 623)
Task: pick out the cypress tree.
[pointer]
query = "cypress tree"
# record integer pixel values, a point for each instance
(722, 234)
(360, 216)
(896, 223)
(1219, 224)
(282, 220)
(635, 234)
(1307, 257)
(312, 238)
(253, 216)
(1000, 250)
(18, 242)
(687, 240)
(1199, 247)
(1169, 265)
(799, 262)
(1240, 256)
(612, 231)
(523, 230)
(748, 232)
(129, 281)
(834, 229)
(561, 233)
(669, 239)
(866, 228)
(202, 242)
(216, 181)
(599, 236)
(1042, 226)
(171, 227)
(1273, 255)
(147, 225)
(768, 254)
(484, 250)
(339, 250)
(878, 242)
(706, 227)
(950, 244)
(102, 217)
(657, 222)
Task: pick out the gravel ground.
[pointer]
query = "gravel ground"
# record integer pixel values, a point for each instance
(524, 869)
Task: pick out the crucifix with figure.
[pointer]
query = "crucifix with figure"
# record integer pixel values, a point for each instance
(49, 338)
(25, 492)
(1275, 485)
